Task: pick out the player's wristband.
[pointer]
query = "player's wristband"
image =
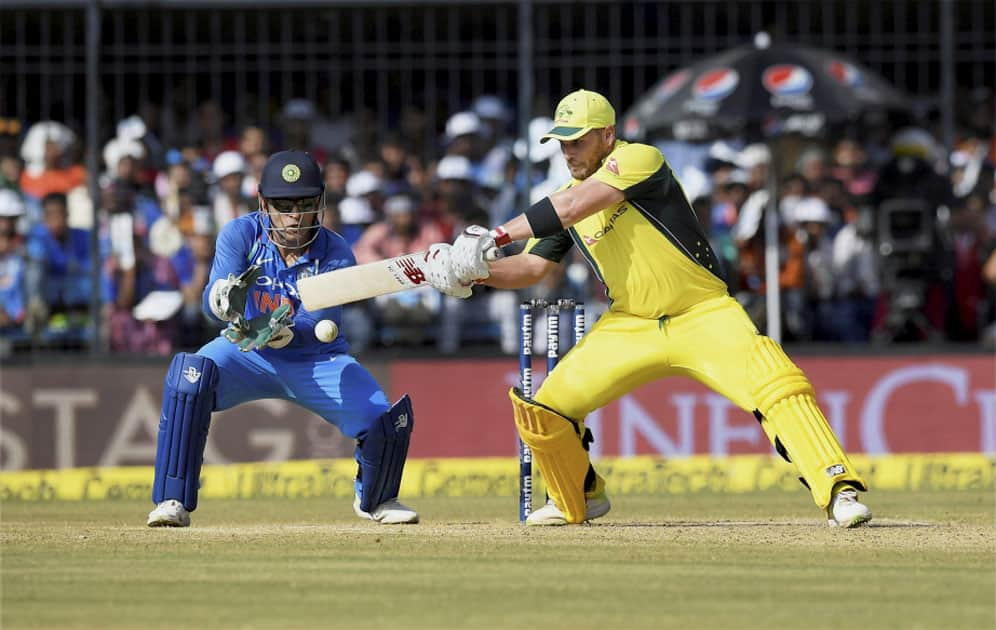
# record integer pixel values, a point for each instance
(501, 237)
(543, 219)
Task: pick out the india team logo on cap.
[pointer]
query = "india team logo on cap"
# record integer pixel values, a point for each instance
(844, 73)
(787, 80)
(716, 84)
(291, 173)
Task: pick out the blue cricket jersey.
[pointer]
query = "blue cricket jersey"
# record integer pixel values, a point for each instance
(244, 242)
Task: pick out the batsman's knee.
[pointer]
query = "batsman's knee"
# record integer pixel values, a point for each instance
(773, 376)
(787, 410)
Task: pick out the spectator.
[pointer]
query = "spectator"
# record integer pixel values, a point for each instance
(228, 201)
(296, 123)
(12, 282)
(10, 172)
(855, 267)
(813, 165)
(49, 165)
(495, 145)
(966, 292)
(254, 149)
(851, 167)
(394, 157)
(58, 279)
(813, 217)
(463, 136)
(399, 233)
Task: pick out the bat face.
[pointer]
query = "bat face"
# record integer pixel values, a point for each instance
(362, 282)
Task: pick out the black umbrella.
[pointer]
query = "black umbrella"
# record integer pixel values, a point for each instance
(760, 90)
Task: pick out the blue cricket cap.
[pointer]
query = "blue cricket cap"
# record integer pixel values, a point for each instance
(291, 175)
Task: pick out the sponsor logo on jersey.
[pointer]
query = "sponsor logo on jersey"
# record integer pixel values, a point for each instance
(845, 73)
(612, 166)
(593, 239)
(716, 85)
(191, 374)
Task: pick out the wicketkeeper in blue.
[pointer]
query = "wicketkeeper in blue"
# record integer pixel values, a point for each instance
(269, 350)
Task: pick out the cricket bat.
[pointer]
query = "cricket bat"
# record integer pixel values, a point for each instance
(362, 282)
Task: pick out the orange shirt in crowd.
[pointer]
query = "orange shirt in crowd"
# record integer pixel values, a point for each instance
(58, 181)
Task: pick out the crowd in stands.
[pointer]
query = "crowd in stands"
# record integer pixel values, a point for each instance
(882, 236)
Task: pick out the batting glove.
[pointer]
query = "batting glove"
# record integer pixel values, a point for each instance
(439, 271)
(471, 251)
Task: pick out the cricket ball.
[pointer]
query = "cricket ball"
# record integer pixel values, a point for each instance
(326, 330)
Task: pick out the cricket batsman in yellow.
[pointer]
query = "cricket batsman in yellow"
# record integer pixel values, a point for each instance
(670, 313)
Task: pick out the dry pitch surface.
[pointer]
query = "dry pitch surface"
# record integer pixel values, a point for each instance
(696, 561)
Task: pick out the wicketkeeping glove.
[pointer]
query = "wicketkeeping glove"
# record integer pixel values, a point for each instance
(272, 330)
(228, 296)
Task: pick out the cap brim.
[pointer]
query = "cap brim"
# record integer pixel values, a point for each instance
(564, 133)
(291, 192)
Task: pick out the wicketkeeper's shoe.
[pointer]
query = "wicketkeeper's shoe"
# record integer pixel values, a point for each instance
(389, 512)
(550, 514)
(169, 513)
(846, 511)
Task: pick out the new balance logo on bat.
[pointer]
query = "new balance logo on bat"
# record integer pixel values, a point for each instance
(411, 270)
(191, 374)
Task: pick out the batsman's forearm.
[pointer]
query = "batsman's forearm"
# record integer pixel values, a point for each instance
(515, 272)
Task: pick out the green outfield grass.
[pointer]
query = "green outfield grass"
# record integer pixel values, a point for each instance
(763, 560)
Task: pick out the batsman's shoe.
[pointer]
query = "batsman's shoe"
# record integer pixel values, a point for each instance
(594, 507)
(169, 513)
(389, 512)
(846, 511)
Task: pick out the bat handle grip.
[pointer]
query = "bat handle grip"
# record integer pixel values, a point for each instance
(493, 254)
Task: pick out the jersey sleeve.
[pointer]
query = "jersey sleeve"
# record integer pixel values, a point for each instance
(231, 255)
(552, 248)
(635, 169)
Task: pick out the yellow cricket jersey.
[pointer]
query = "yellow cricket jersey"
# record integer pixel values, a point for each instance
(649, 250)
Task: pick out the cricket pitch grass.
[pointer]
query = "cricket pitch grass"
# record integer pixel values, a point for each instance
(759, 560)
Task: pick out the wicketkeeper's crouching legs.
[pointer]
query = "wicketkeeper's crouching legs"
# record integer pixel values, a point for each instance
(188, 400)
(560, 450)
(381, 453)
(787, 409)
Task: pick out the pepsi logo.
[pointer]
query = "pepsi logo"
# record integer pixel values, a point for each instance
(671, 85)
(787, 80)
(844, 73)
(716, 84)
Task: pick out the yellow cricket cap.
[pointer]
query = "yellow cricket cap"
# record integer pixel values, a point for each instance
(578, 113)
